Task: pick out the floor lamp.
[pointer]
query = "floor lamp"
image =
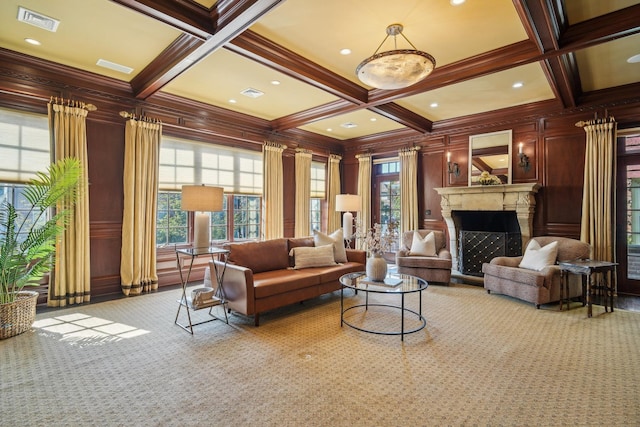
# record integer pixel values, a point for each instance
(347, 203)
(202, 200)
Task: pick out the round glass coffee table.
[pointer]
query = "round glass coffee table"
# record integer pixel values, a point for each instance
(394, 284)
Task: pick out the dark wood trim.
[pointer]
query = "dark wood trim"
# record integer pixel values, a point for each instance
(257, 48)
(403, 116)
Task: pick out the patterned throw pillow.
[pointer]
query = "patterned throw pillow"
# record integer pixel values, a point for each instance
(336, 239)
(423, 246)
(312, 256)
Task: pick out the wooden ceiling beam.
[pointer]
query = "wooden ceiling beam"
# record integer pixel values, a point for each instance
(544, 25)
(263, 51)
(232, 18)
(403, 116)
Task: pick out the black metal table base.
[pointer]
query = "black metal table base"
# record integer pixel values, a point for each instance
(402, 332)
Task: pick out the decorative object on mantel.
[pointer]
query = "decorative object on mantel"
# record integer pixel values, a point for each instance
(378, 241)
(486, 178)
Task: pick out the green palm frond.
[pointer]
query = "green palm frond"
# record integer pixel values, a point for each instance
(24, 263)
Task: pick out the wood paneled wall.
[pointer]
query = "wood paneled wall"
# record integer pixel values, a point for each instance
(554, 145)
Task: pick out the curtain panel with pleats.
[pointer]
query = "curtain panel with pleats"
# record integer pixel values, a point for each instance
(303, 192)
(71, 276)
(141, 163)
(409, 189)
(272, 197)
(364, 191)
(598, 201)
(333, 189)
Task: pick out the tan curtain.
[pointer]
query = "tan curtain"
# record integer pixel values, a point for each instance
(364, 191)
(141, 163)
(334, 220)
(409, 189)
(598, 200)
(71, 277)
(303, 192)
(272, 197)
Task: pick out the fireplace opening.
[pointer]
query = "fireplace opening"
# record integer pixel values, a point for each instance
(484, 235)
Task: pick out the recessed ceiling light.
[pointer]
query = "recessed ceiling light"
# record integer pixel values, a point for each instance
(456, 2)
(634, 59)
(517, 85)
(345, 51)
(329, 130)
(275, 82)
(33, 42)
(232, 101)
(349, 125)
(373, 119)
(433, 105)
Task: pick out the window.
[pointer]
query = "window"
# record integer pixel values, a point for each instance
(316, 215)
(13, 193)
(171, 224)
(387, 180)
(318, 193)
(24, 150)
(239, 172)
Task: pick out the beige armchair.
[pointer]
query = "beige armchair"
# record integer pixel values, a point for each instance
(433, 269)
(504, 276)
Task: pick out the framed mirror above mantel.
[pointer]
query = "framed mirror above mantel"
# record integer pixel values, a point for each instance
(490, 152)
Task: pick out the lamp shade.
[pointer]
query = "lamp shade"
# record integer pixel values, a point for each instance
(347, 203)
(202, 198)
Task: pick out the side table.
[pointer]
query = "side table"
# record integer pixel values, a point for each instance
(586, 269)
(188, 255)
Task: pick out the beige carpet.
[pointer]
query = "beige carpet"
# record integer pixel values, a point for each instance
(481, 360)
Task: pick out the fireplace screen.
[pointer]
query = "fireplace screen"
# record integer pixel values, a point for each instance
(477, 247)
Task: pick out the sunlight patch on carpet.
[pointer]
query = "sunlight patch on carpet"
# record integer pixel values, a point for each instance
(81, 329)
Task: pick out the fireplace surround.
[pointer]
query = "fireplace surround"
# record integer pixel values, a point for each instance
(519, 198)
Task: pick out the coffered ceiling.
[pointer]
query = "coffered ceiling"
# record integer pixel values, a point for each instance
(212, 52)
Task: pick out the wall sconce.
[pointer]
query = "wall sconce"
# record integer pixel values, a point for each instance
(452, 167)
(524, 159)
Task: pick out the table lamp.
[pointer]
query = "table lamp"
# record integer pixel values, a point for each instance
(347, 203)
(202, 200)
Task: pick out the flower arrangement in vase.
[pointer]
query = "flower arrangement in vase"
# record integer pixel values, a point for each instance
(377, 241)
(486, 178)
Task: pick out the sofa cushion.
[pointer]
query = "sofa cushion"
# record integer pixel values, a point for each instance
(568, 249)
(260, 256)
(515, 275)
(537, 258)
(336, 239)
(424, 262)
(423, 246)
(276, 282)
(315, 256)
(296, 242)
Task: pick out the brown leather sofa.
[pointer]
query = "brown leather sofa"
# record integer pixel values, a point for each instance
(259, 276)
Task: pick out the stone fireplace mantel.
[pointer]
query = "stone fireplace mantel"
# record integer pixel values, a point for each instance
(519, 198)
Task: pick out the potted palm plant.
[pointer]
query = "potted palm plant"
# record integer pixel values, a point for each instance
(27, 241)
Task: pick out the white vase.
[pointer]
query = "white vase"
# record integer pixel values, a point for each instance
(376, 267)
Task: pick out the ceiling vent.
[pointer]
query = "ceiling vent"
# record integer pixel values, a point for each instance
(37, 19)
(252, 93)
(113, 66)
(349, 125)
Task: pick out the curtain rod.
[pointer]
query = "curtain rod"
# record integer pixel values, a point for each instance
(132, 116)
(72, 103)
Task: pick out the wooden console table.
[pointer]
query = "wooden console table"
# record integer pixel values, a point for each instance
(586, 269)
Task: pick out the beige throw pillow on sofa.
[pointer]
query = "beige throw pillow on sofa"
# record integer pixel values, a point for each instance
(537, 258)
(312, 256)
(423, 246)
(336, 239)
